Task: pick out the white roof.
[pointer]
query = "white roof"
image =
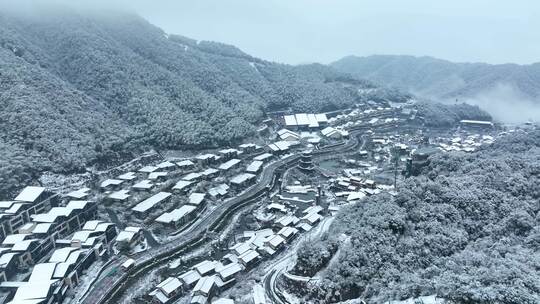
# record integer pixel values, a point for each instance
(128, 176)
(156, 175)
(287, 231)
(205, 267)
(91, 225)
(313, 123)
(249, 256)
(35, 291)
(276, 240)
(81, 193)
(196, 198)
(13, 239)
(313, 209)
(170, 285)
(302, 119)
(192, 176)
(125, 236)
(181, 184)
(30, 194)
(241, 178)
(205, 284)
(229, 164)
(120, 195)
(479, 122)
(185, 163)
(209, 171)
(150, 202)
(22, 245)
(77, 204)
(288, 220)
(290, 120)
(144, 184)
(42, 228)
(229, 270)
(206, 156)
(111, 181)
(42, 272)
(176, 214)
(221, 189)
(321, 118)
(241, 248)
(190, 277)
(61, 255)
(148, 169)
(263, 156)
(165, 164)
(254, 166)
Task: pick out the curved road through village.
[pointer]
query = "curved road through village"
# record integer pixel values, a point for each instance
(111, 285)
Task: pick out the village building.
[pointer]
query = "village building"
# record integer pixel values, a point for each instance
(130, 235)
(263, 157)
(128, 176)
(254, 167)
(148, 169)
(228, 272)
(182, 186)
(143, 207)
(227, 154)
(119, 196)
(110, 184)
(287, 135)
(249, 258)
(158, 175)
(209, 173)
(206, 287)
(144, 185)
(166, 166)
(219, 191)
(189, 278)
(206, 159)
(79, 194)
(242, 180)
(177, 217)
(185, 164)
(166, 290)
(196, 199)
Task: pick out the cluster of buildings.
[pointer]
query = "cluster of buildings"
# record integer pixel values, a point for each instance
(466, 144)
(47, 243)
(205, 279)
(173, 193)
(303, 121)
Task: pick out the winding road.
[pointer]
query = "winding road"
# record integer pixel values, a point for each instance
(110, 286)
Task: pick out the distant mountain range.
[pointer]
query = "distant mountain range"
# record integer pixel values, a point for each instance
(84, 88)
(436, 78)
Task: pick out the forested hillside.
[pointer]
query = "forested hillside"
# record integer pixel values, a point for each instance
(79, 89)
(467, 229)
(443, 79)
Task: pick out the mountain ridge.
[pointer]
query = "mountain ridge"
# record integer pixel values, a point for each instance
(443, 79)
(87, 88)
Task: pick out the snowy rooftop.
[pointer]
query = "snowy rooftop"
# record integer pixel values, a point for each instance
(30, 194)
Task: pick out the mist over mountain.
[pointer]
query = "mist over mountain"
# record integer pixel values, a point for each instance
(80, 88)
(506, 90)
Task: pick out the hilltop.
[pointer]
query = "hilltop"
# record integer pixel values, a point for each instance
(86, 88)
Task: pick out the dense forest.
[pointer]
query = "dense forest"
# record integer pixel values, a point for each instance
(447, 115)
(79, 89)
(436, 78)
(467, 229)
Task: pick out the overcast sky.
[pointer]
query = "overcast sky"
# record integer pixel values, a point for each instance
(301, 31)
